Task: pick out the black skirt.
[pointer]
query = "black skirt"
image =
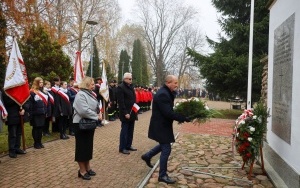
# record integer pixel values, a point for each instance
(83, 144)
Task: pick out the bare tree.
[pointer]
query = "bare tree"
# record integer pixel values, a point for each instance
(189, 36)
(162, 21)
(126, 36)
(69, 18)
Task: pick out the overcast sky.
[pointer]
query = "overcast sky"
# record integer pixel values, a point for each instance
(207, 15)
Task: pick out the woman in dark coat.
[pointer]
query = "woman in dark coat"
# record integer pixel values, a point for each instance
(65, 109)
(40, 109)
(161, 126)
(85, 105)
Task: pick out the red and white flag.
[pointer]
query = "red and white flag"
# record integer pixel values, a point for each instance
(16, 81)
(78, 70)
(2, 109)
(135, 108)
(104, 86)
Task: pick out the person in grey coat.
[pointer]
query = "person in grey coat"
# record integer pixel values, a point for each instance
(85, 106)
(161, 126)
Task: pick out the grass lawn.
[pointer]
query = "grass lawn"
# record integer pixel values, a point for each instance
(28, 138)
(228, 114)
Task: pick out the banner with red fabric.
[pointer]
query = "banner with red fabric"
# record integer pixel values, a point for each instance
(78, 70)
(16, 81)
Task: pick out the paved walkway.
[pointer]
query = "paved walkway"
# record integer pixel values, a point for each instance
(54, 165)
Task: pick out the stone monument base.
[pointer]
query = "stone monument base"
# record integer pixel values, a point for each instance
(278, 170)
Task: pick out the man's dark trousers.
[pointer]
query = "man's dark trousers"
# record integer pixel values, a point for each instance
(126, 135)
(165, 150)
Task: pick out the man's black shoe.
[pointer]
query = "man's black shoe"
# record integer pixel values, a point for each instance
(124, 151)
(46, 134)
(12, 155)
(166, 179)
(131, 149)
(19, 151)
(64, 137)
(147, 160)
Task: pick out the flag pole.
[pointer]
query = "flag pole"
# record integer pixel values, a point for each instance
(249, 88)
(23, 132)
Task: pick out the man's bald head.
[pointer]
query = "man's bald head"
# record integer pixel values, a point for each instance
(171, 81)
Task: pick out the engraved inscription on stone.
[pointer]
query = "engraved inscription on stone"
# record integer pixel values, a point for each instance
(283, 79)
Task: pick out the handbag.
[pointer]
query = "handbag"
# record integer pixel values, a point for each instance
(86, 124)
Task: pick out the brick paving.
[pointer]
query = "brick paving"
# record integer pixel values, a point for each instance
(54, 165)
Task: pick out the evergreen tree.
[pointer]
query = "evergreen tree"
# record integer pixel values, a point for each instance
(110, 76)
(96, 62)
(226, 69)
(43, 57)
(136, 62)
(123, 64)
(145, 73)
(139, 64)
(2, 47)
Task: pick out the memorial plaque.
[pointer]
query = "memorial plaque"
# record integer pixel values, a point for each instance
(283, 79)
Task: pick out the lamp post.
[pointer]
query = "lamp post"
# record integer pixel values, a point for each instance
(92, 23)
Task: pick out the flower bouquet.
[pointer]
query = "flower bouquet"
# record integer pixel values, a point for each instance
(249, 132)
(194, 109)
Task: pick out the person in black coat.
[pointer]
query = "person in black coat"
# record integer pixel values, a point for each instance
(161, 126)
(65, 109)
(112, 101)
(73, 90)
(126, 99)
(40, 109)
(55, 110)
(14, 124)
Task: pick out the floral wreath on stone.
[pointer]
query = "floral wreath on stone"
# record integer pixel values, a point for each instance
(249, 132)
(194, 109)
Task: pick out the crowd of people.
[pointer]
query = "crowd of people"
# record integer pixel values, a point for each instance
(64, 104)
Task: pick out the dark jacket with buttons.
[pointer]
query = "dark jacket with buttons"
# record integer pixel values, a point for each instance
(126, 99)
(38, 106)
(161, 122)
(64, 104)
(13, 109)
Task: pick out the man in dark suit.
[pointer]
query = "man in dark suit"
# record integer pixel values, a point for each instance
(161, 126)
(126, 100)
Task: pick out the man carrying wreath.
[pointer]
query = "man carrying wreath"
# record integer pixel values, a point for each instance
(161, 126)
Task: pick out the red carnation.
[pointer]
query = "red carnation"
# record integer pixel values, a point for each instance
(246, 135)
(247, 144)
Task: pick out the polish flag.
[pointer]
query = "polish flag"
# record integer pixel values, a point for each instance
(78, 70)
(16, 81)
(135, 108)
(104, 86)
(2, 110)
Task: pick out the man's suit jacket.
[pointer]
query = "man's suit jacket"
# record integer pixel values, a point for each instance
(126, 99)
(163, 115)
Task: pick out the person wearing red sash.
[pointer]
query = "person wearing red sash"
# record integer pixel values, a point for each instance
(47, 89)
(73, 90)
(55, 111)
(99, 96)
(40, 109)
(65, 109)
